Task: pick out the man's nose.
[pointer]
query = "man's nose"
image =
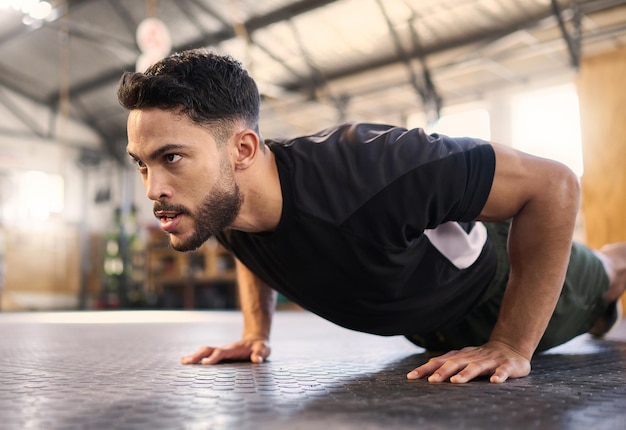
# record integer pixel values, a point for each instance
(156, 187)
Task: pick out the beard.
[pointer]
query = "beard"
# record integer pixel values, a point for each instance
(216, 212)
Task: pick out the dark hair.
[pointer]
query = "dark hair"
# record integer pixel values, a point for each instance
(210, 89)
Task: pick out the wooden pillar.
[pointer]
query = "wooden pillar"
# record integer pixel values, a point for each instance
(602, 93)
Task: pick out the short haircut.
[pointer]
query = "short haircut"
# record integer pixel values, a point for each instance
(208, 88)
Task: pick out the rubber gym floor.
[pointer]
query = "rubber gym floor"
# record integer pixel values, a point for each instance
(121, 370)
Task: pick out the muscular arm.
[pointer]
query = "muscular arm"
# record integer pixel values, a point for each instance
(258, 302)
(542, 197)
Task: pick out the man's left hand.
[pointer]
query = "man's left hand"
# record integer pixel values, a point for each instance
(494, 359)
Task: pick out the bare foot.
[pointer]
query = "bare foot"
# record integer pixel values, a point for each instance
(607, 322)
(613, 256)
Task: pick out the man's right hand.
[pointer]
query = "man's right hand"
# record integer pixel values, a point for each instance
(254, 350)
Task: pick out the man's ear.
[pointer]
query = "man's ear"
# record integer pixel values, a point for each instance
(248, 147)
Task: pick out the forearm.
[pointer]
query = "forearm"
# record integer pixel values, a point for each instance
(539, 248)
(542, 197)
(257, 301)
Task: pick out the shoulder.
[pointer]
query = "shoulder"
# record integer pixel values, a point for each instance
(351, 134)
(360, 143)
(335, 171)
(359, 136)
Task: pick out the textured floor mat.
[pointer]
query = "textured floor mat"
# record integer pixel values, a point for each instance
(121, 370)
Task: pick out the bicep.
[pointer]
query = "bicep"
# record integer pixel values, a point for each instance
(518, 179)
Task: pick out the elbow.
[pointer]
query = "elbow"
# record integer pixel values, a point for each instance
(566, 189)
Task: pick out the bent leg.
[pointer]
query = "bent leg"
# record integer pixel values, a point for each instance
(613, 257)
(582, 303)
(583, 299)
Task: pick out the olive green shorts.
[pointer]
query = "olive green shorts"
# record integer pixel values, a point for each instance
(580, 305)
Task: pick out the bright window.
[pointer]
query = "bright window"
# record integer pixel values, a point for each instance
(36, 195)
(469, 123)
(547, 123)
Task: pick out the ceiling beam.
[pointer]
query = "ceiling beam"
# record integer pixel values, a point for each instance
(255, 23)
(571, 39)
(25, 118)
(465, 40)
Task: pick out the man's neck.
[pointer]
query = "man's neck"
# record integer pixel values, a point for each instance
(263, 201)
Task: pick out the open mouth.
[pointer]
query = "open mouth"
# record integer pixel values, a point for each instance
(169, 220)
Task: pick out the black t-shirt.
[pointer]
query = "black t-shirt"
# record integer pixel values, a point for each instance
(376, 232)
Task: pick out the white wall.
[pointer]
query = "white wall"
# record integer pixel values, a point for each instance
(21, 150)
(54, 149)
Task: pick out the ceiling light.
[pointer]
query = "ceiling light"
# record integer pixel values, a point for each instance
(41, 10)
(33, 10)
(25, 5)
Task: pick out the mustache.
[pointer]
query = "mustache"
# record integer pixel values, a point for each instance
(158, 206)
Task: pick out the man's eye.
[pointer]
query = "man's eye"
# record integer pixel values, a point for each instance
(172, 158)
(137, 163)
